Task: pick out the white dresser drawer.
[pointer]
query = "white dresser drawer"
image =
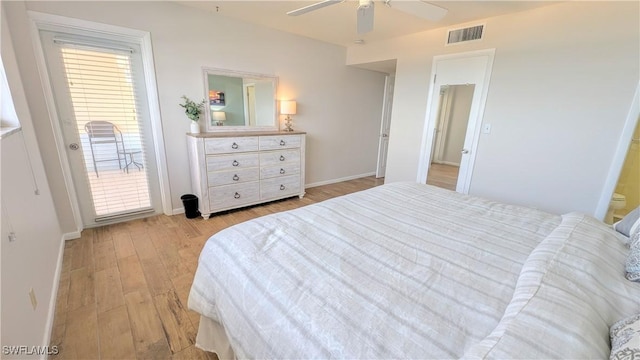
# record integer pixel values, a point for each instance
(217, 178)
(284, 169)
(279, 142)
(268, 158)
(232, 161)
(230, 145)
(279, 187)
(235, 195)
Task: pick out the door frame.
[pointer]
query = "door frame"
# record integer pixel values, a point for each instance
(432, 114)
(42, 21)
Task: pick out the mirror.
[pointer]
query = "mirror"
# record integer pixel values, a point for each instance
(449, 135)
(240, 101)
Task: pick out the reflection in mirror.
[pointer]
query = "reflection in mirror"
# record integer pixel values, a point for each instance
(449, 135)
(240, 101)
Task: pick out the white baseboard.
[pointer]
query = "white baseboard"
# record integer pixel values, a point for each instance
(177, 211)
(54, 296)
(333, 181)
(71, 235)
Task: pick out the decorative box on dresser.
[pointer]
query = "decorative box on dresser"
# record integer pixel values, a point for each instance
(235, 169)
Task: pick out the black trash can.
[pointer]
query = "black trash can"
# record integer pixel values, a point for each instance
(190, 203)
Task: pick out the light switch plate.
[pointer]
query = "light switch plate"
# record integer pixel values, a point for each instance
(32, 296)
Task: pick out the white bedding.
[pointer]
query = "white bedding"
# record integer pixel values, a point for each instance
(571, 290)
(398, 271)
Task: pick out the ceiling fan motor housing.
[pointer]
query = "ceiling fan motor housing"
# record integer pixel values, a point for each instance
(365, 4)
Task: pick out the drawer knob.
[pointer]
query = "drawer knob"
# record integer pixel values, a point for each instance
(282, 171)
(236, 196)
(282, 187)
(235, 163)
(282, 143)
(236, 177)
(281, 157)
(234, 146)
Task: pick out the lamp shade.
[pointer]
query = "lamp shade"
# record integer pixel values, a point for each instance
(219, 116)
(288, 107)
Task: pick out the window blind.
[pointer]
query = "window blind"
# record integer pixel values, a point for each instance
(102, 88)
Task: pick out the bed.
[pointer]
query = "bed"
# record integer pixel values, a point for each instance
(408, 270)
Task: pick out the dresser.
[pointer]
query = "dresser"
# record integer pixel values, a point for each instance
(236, 169)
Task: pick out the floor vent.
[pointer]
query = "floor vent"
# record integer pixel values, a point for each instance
(466, 34)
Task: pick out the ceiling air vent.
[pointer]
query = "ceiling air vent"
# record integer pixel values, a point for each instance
(466, 34)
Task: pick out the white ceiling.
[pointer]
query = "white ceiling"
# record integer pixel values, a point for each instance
(337, 23)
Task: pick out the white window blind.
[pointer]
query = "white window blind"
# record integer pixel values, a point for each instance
(102, 88)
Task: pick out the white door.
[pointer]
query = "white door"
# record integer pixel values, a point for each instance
(101, 102)
(383, 142)
(458, 69)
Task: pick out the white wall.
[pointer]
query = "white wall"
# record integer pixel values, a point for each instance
(33, 259)
(338, 106)
(563, 79)
(16, 19)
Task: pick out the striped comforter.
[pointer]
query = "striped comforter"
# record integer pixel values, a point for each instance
(399, 271)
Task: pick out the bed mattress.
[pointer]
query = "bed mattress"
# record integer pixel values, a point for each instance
(402, 270)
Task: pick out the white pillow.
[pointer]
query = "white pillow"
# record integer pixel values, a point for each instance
(632, 265)
(629, 223)
(625, 339)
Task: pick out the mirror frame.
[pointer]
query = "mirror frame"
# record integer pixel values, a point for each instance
(206, 71)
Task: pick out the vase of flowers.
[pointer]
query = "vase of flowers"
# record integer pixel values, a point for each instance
(193, 111)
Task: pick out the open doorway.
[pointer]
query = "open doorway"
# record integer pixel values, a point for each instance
(448, 143)
(629, 141)
(626, 196)
(250, 104)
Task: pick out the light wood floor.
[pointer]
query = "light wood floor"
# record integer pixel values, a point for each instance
(123, 288)
(444, 176)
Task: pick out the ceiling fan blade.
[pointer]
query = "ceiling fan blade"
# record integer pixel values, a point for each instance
(365, 19)
(419, 8)
(316, 6)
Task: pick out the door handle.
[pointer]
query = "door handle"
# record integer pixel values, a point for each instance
(464, 151)
(74, 146)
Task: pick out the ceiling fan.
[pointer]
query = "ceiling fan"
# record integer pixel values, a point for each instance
(365, 10)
